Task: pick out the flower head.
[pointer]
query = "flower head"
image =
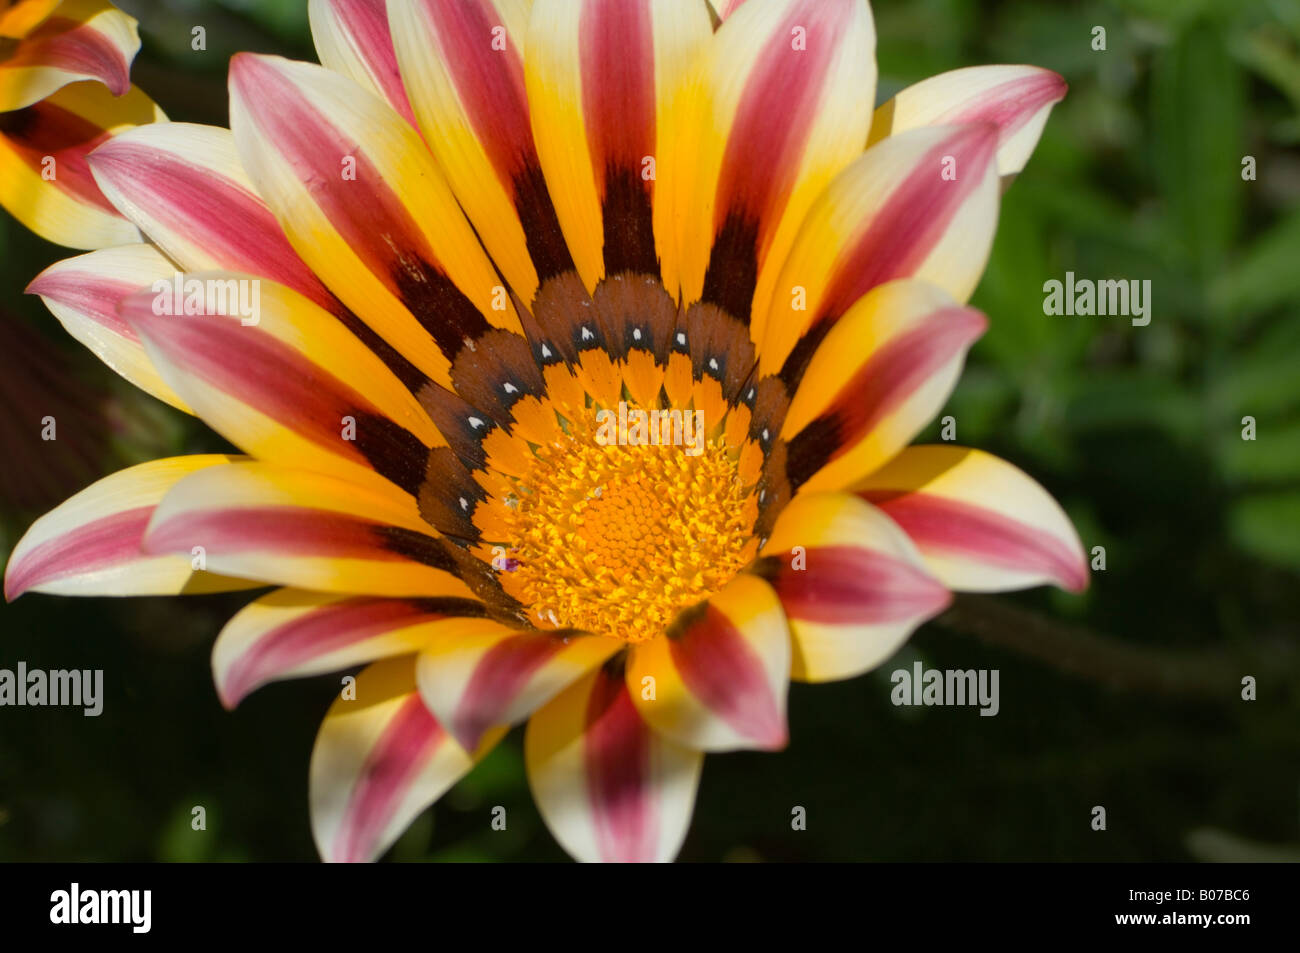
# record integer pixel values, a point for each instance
(496, 252)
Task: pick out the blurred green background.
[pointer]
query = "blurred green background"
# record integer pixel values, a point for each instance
(1134, 705)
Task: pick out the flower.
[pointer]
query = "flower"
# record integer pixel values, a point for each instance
(65, 88)
(472, 230)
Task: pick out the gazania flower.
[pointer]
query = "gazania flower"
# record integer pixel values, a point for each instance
(477, 227)
(65, 88)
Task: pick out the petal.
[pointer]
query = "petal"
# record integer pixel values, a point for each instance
(182, 184)
(352, 38)
(81, 40)
(45, 181)
(463, 65)
(608, 786)
(981, 524)
(920, 204)
(1016, 98)
(476, 680)
(605, 81)
(21, 18)
(790, 88)
(880, 376)
(379, 761)
(718, 680)
(303, 529)
(90, 545)
(363, 203)
(84, 294)
(852, 585)
(274, 374)
(291, 633)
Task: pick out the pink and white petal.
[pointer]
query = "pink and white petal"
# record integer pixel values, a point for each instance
(852, 584)
(717, 681)
(305, 530)
(292, 633)
(881, 375)
(378, 762)
(922, 204)
(81, 40)
(45, 181)
(84, 293)
(272, 372)
(463, 66)
(365, 206)
(352, 38)
(90, 545)
(609, 787)
(473, 681)
(981, 524)
(182, 184)
(790, 87)
(606, 81)
(1017, 98)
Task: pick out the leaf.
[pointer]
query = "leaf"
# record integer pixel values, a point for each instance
(1268, 526)
(1198, 104)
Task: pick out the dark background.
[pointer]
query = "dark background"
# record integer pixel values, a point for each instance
(1126, 697)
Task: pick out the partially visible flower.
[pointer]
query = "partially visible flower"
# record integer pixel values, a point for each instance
(65, 89)
(682, 211)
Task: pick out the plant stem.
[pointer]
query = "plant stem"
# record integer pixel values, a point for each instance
(1081, 652)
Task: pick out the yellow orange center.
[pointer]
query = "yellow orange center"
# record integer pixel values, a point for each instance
(617, 539)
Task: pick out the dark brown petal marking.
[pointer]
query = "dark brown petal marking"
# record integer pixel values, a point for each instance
(774, 490)
(441, 308)
(406, 372)
(720, 347)
(770, 401)
(496, 372)
(490, 82)
(564, 321)
(733, 266)
(461, 423)
(418, 547)
(542, 233)
(617, 42)
(449, 495)
(636, 314)
(629, 223)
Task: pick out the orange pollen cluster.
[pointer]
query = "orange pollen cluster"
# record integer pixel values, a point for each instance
(618, 539)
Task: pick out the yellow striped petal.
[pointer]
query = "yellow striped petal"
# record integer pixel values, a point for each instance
(851, 583)
(363, 203)
(90, 545)
(84, 293)
(80, 40)
(981, 524)
(922, 204)
(302, 529)
(380, 759)
(717, 681)
(45, 181)
(291, 633)
(1017, 98)
(608, 786)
